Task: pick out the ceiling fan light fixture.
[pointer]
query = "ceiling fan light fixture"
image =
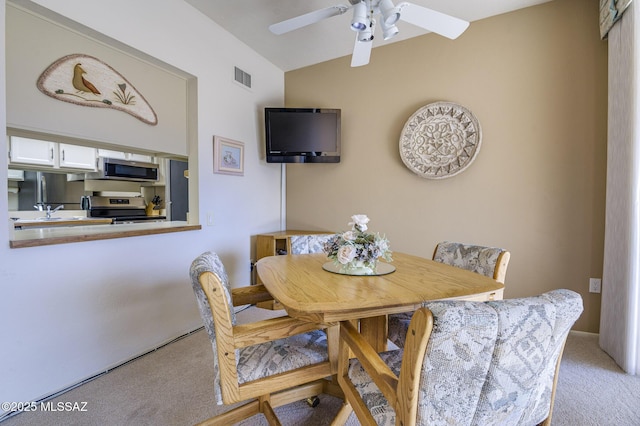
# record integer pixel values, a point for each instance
(360, 21)
(367, 34)
(390, 13)
(388, 32)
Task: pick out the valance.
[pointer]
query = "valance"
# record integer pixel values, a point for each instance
(610, 12)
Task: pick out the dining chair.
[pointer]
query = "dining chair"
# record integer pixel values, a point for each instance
(306, 244)
(463, 363)
(270, 362)
(489, 261)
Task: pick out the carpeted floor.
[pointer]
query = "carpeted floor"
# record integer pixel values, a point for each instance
(172, 386)
(592, 389)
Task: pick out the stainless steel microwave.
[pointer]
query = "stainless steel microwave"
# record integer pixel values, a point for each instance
(117, 169)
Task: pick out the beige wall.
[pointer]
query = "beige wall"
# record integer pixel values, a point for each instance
(536, 79)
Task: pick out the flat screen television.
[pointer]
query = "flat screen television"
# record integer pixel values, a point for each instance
(302, 135)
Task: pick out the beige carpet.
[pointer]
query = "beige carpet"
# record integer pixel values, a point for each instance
(172, 386)
(592, 389)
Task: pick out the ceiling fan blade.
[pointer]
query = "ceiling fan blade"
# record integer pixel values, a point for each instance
(361, 52)
(437, 22)
(307, 19)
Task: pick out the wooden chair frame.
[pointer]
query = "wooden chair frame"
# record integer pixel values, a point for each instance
(272, 391)
(401, 392)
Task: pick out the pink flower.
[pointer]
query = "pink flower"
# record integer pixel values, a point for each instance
(346, 254)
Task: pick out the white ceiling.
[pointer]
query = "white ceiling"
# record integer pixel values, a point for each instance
(332, 38)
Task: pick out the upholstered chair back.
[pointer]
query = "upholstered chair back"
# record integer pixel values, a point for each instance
(306, 244)
(485, 363)
(489, 261)
(255, 363)
(210, 262)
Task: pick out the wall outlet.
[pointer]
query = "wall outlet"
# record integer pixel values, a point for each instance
(595, 285)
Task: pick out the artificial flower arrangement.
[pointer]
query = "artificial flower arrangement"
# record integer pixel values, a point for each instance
(357, 251)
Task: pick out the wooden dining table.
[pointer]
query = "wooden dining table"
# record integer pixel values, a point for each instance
(309, 292)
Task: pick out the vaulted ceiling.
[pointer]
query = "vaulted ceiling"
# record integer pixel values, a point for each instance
(249, 21)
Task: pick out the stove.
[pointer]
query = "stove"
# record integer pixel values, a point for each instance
(120, 209)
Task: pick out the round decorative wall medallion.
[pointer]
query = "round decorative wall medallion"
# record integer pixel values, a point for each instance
(440, 140)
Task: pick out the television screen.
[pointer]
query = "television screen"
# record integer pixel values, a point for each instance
(302, 135)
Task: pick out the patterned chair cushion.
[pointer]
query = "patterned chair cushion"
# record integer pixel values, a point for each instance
(570, 306)
(460, 347)
(262, 360)
(525, 330)
(486, 363)
(306, 244)
(266, 359)
(479, 259)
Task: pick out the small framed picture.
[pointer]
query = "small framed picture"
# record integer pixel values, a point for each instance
(228, 156)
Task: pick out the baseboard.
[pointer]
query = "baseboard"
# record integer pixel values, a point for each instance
(583, 333)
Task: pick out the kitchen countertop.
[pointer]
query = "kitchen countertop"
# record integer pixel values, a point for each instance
(60, 221)
(34, 237)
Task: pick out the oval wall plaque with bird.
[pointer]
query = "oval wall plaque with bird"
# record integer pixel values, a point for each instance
(87, 81)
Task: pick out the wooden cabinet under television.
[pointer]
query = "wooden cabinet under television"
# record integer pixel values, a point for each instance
(276, 244)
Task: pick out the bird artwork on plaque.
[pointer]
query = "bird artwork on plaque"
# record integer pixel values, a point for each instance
(80, 83)
(87, 81)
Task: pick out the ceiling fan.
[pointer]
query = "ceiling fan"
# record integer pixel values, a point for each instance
(364, 24)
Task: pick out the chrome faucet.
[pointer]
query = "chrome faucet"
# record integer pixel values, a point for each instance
(49, 211)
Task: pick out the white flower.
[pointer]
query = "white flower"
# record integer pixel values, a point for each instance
(359, 222)
(357, 249)
(349, 236)
(346, 254)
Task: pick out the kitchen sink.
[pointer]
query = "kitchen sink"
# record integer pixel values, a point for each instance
(47, 219)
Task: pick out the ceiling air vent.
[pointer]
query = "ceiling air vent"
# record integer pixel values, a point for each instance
(242, 77)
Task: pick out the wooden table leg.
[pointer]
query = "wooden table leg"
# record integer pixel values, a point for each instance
(374, 329)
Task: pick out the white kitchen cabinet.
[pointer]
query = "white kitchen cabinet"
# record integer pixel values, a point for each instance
(32, 151)
(77, 157)
(47, 154)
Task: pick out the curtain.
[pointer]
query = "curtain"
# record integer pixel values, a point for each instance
(620, 318)
(610, 12)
